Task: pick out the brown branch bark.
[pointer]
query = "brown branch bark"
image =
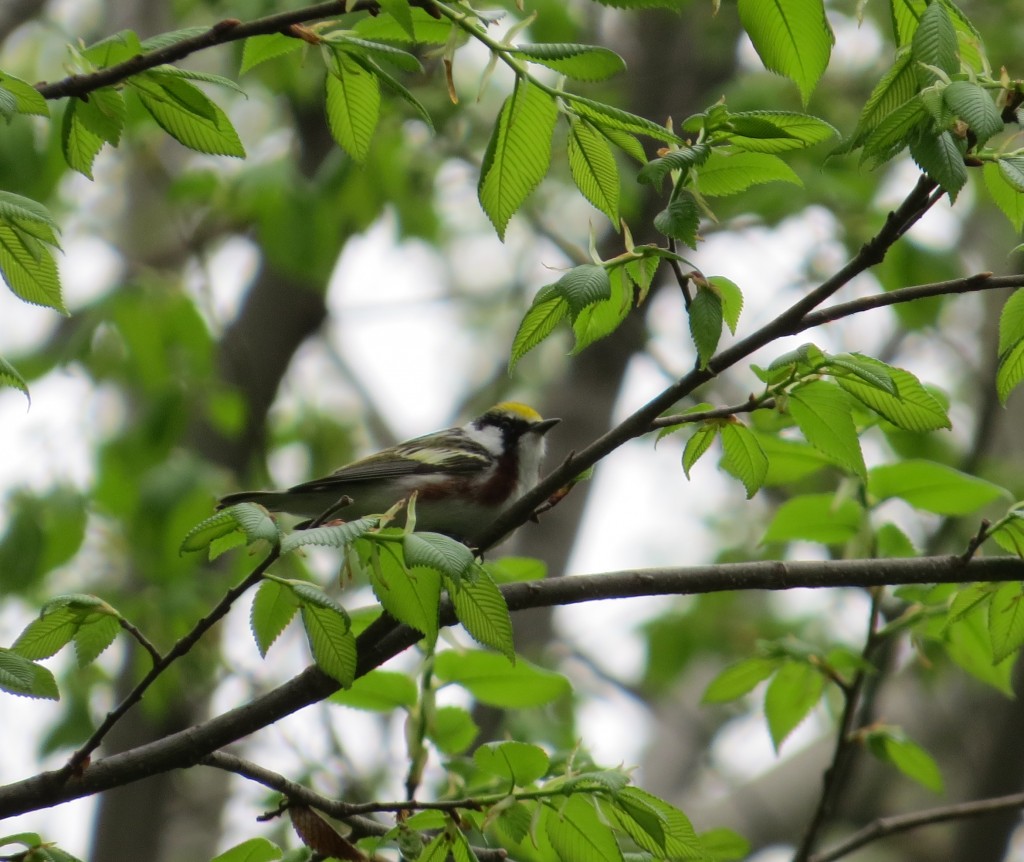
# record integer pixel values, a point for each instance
(386, 638)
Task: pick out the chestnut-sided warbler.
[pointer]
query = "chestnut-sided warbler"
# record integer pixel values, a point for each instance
(463, 477)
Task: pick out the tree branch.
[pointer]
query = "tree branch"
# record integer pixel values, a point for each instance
(385, 638)
(790, 322)
(886, 826)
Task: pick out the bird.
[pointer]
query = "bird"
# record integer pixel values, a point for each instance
(464, 477)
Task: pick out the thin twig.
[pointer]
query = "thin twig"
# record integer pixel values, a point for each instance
(748, 406)
(842, 756)
(145, 642)
(82, 755)
(682, 278)
(886, 826)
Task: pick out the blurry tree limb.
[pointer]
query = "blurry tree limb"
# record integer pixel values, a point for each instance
(385, 638)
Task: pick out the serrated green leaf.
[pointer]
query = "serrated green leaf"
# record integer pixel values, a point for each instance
(600, 319)
(518, 762)
(824, 414)
(27, 266)
(427, 30)
(705, 315)
(273, 607)
(22, 677)
(47, 634)
(401, 11)
(79, 144)
(895, 131)
(206, 531)
(698, 444)
(744, 457)
(10, 376)
(680, 219)
(583, 286)
(739, 679)
(492, 679)
(187, 114)
(934, 43)
(658, 827)
(593, 167)
(26, 98)
(608, 119)
(896, 87)
(396, 87)
(792, 693)
(874, 374)
(932, 487)
(358, 48)
(378, 691)
(436, 551)
(1006, 621)
(774, 131)
(677, 160)
(259, 49)
(480, 607)
(1010, 371)
(334, 536)
(330, 641)
(539, 322)
(1012, 169)
(113, 49)
(581, 62)
(93, 637)
(823, 518)
(913, 409)
(1005, 193)
(353, 105)
(969, 645)
(730, 174)
(907, 756)
(942, 159)
(792, 38)
(411, 597)
(577, 834)
(975, 107)
(518, 153)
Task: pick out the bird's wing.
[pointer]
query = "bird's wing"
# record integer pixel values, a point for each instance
(416, 458)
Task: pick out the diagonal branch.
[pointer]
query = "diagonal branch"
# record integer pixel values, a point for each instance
(385, 638)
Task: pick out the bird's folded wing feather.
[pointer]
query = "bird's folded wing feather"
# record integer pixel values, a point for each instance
(411, 462)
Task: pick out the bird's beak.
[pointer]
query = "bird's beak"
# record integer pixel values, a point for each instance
(543, 426)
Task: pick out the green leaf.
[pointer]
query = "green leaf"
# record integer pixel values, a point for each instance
(730, 174)
(10, 376)
(1006, 621)
(401, 11)
(253, 850)
(577, 835)
(793, 692)
(411, 597)
(593, 167)
(680, 219)
(540, 321)
(518, 153)
(942, 159)
(330, 640)
(183, 111)
(739, 679)
(932, 487)
(698, 444)
(1011, 321)
(705, 315)
(353, 105)
(792, 38)
(724, 845)
(610, 119)
(208, 530)
(823, 518)
(934, 43)
(47, 634)
(1010, 534)
(22, 677)
(1010, 371)
(519, 762)
(378, 691)
(969, 644)
(1005, 192)
(27, 265)
(600, 319)
(656, 826)
(427, 30)
(975, 107)
(583, 286)
(358, 49)
(452, 729)
(259, 49)
(581, 62)
(334, 536)
(744, 457)
(891, 746)
(79, 144)
(1012, 170)
(823, 412)
(491, 679)
(896, 87)
(93, 637)
(775, 131)
(480, 607)
(677, 160)
(439, 552)
(273, 607)
(895, 131)
(914, 408)
(25, 98)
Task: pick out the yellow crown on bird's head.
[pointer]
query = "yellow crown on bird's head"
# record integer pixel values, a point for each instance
(523, 411)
